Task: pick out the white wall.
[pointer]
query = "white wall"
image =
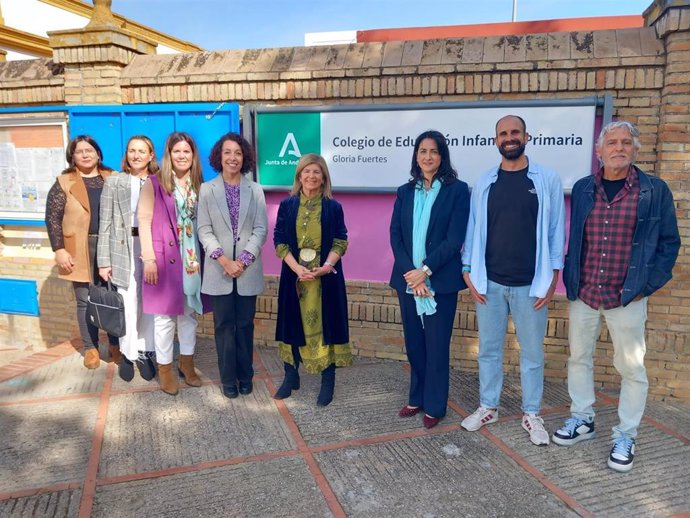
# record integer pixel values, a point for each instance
(329, 38)
(38, 18)
(13, 55)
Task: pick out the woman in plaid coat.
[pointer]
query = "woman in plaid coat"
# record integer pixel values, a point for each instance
(119, 252)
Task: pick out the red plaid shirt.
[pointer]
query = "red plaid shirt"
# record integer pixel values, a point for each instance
(607, 243)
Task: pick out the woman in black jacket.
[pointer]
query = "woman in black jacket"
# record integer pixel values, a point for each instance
(427, 233)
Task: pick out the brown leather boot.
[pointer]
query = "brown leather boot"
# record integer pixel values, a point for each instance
(187, 370)
(115, 354)
(167, 379)
(91, 358)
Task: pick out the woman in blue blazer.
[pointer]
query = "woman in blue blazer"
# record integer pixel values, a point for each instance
(427, 233)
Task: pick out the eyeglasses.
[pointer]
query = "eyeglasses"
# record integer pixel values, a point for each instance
(85, 152)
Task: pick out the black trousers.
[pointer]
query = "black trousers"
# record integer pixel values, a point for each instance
(428, 348)
(88, 331)
(233, 324)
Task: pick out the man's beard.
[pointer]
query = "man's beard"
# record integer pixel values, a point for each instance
(514, 153)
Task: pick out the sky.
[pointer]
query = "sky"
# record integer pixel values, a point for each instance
(241, 24)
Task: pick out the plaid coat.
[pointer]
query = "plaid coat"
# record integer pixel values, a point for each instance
(115, 228)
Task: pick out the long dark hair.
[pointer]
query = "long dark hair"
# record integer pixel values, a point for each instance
(165, 173)
(445, 173)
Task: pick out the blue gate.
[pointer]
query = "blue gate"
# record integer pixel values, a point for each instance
(112, 126)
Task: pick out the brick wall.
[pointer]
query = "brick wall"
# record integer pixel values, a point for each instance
(644, 70)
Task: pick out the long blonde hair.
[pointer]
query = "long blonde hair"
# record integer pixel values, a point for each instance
(309, 159)
(153, 164)
(166, 173)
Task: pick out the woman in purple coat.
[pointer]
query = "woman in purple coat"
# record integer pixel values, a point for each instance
(170, 252)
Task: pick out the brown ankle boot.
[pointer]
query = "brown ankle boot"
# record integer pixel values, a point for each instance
(91, 358)
(187, 370)
(167, 379)
(115, 354)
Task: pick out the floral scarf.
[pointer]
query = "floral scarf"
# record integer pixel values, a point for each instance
(185, 206)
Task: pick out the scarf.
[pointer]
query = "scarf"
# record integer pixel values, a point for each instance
(423, 202)
(189, 248)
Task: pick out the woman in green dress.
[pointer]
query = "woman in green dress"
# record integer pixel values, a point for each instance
(310, 237)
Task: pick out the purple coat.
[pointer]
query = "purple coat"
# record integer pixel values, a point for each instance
(166, 297)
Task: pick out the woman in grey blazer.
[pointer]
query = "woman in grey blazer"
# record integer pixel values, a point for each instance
(119, 252)
(232, 227)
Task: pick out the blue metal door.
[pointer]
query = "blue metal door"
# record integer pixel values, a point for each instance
(112, 126)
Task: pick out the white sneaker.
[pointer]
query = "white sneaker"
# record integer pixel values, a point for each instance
(535, 427)
(479, 418)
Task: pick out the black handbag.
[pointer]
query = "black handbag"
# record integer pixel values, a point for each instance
(105, 308)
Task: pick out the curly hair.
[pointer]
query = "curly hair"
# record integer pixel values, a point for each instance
(215, 158)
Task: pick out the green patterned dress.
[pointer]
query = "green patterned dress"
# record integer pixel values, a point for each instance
(316, 355)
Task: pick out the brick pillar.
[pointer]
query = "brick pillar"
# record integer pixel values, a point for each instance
(94, 57)
(671, 20)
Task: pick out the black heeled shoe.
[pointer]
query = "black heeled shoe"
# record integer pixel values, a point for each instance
(290, 382)
(327, 386)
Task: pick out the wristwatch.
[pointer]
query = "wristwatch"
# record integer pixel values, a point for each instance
(426, 270)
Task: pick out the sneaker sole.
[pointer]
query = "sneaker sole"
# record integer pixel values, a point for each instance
(569, 442)
(478, 427)
(536, 443)
(620, 468)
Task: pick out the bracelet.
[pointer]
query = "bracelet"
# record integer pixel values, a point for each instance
(333, 270)
(148, 261)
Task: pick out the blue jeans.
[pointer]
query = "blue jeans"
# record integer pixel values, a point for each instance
(530, 326)
(626, 327)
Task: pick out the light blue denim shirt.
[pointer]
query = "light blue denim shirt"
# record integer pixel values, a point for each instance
(550, 229)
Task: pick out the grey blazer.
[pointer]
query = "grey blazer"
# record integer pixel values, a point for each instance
(115, 228)
(215, 231)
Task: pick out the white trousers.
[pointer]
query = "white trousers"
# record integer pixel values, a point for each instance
(140, 331)
(165, 334)
(626, 327)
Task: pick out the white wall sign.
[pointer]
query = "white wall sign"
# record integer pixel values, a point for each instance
(372, 150)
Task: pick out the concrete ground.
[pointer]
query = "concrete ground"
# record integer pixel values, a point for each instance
(75, 442)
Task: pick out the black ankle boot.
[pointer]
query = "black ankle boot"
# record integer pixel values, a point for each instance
(290, 383)
(327, 386)
(125, 369)
(146, 365)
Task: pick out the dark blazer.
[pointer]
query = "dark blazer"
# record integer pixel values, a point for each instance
(333, 297)
(656, 239)
(444, 238)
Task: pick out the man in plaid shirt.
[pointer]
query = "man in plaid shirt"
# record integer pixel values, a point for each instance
(623, 244)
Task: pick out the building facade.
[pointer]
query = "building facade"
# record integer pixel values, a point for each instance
(646, 70)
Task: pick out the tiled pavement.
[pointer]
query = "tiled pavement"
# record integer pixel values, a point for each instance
(75, 442)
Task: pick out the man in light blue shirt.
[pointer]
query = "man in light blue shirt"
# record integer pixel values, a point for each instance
(512, 256)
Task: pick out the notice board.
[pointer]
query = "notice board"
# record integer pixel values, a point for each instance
(32, 154)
